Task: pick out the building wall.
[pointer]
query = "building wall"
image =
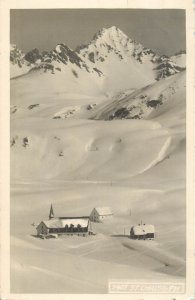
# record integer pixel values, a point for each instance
(150, 235)
(74, 230)
(101, 218)
(42, 229)
(95, 217)
(141, 237)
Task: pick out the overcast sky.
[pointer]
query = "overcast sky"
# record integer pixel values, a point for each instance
(162, 30)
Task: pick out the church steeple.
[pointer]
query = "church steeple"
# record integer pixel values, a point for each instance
(51, 213)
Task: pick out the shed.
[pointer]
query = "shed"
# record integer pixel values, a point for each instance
(142, 232)
(100, 214)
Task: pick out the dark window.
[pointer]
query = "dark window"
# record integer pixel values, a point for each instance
(71, 227)
(79, 228)
(66, 228)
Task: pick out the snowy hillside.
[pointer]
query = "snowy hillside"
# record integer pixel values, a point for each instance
(179, 59)
(146, 103)
(18, 64)
(59, 57)
(124, 62)
(97, 141)
(100, 126)
(61, 62)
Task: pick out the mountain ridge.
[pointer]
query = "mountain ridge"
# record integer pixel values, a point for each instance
(116, 61)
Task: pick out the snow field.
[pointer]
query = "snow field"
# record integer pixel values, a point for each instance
(137, 167)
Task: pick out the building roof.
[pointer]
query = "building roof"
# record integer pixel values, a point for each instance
(143, 229)
(81, 217)
(61, 223)
(103, 210)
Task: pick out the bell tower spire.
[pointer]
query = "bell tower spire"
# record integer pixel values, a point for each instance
(51, 213)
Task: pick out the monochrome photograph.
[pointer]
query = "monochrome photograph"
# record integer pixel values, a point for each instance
(97, 150)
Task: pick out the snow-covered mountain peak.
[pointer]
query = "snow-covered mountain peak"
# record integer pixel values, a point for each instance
(124, 62)
(113, 41)
(112, 59)
(110, 39)
(110, 34)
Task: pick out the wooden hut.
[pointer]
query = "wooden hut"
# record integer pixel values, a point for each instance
(142, 232)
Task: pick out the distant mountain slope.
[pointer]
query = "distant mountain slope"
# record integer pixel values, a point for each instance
(111, 60)
(124, 62)
(146, 103)
(58, 71)
(59, 57)
(18, 64)
(179, 59)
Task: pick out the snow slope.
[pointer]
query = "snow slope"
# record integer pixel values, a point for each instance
(61, 84)
(85, 265)
(125, 62)
(146, 103)
(61, 66)
(179, 59)
(111, 60)
(18, 65)
(78, 164)
(101, 150)
(65, 152)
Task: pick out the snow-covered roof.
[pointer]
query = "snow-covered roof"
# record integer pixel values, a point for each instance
(103, 211)
(143, 229)
(61, 223)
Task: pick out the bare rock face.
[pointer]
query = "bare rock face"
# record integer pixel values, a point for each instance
(33, 55)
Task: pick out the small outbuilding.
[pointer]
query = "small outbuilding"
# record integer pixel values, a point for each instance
(142, 232)
(100, 214)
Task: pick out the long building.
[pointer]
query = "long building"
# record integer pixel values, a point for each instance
(73, 225)
(63, 225)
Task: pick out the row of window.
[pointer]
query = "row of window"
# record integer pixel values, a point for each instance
(147, 235)
(68, 229)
